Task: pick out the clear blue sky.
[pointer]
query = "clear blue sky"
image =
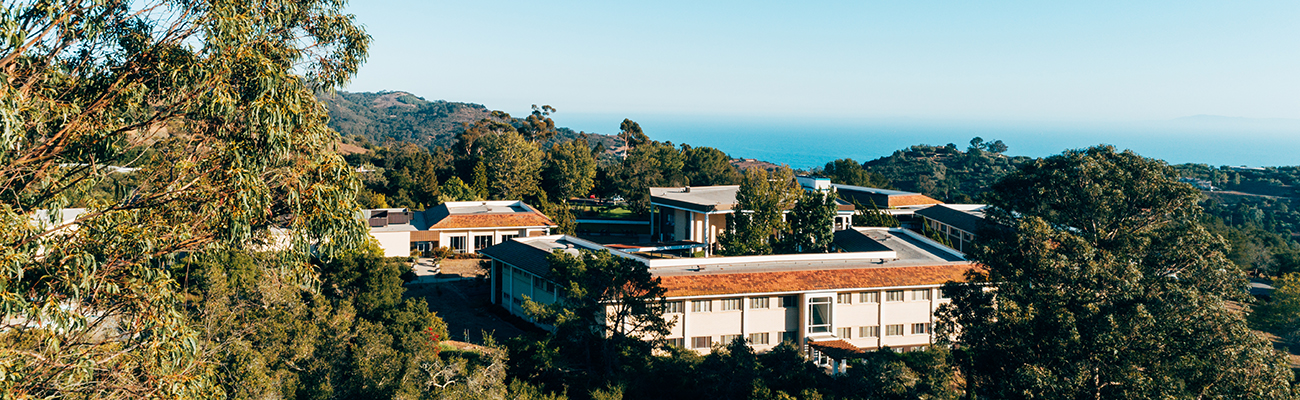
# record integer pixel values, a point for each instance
(996, 60)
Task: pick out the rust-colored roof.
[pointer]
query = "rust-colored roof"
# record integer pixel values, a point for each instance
(837, 349)
(911, 200)
(493, 221)
(826, 279)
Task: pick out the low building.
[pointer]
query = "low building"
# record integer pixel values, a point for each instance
(958, 223)
(699, 214)
(463, 226)
(883, 198)
(883, 294)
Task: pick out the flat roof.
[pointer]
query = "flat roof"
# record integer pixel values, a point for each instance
(484, 207)
(703, 198)
(480, 214)
(909, 249)
(886, 192)
(708, 199)
(916, 261)
(967, 217)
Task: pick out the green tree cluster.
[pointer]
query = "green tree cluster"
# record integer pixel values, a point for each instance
(210, 108)
(848, 172)
(1101, 283)
(810, 224)
(945, 173)
(761, 201)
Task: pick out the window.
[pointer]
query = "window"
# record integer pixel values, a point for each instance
(844, 298)
(920, 348)
(677, 342)
(672, 307)
(869, 297)
(701, 342)
(788, 301)
(869, 331)
(921, 294)
(894, 295)
(758, 338)
(943, 294)
(789, 336)
(727, 339)
(730, 304)
(702, 306)
(482, 242)
(457, 243)
(507, 238)
(921, 329)
(819, 315)
(844, 333)
(894, 330)
(758, 302)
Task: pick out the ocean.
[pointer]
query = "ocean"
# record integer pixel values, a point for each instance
(814, 142)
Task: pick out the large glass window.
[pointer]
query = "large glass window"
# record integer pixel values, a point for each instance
(482, 242)
(819, 314)
(457, 243)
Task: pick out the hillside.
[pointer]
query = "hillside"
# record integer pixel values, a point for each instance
(400, 116)
(380, 117)
(945, 173)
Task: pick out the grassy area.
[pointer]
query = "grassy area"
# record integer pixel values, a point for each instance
(614, 213)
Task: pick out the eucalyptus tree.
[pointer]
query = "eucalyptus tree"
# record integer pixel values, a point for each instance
(761, 201)
(512, 165)
(811, 224)
(570, 170)
(1101, 283)
(210, 109)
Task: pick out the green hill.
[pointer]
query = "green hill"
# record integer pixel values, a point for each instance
(381, 117)
(399, 116)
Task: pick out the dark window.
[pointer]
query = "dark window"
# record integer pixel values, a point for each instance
(701, 342)
(482, 242)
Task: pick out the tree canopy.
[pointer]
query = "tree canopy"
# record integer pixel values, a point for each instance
(198, 123)
(1101, 283)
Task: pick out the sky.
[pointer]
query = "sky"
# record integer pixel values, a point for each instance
(957, 60)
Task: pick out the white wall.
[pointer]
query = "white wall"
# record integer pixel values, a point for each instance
(395, 244)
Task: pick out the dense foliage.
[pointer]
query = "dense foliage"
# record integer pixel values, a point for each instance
(945, 173)
(213, 105)
(1106, 286)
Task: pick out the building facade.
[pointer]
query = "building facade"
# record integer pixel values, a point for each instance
(883, 296)
(463, 226)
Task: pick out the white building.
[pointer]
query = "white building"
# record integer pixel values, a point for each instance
(699, 214)
(464, 226)
(881, 292)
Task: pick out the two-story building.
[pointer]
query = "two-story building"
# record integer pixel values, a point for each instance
(881, 292)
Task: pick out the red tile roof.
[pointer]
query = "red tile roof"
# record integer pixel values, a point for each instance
(493, 221)
(911, 200)
(837, 349)
(827, 279)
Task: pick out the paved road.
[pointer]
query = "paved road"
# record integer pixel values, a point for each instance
(464, 306)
